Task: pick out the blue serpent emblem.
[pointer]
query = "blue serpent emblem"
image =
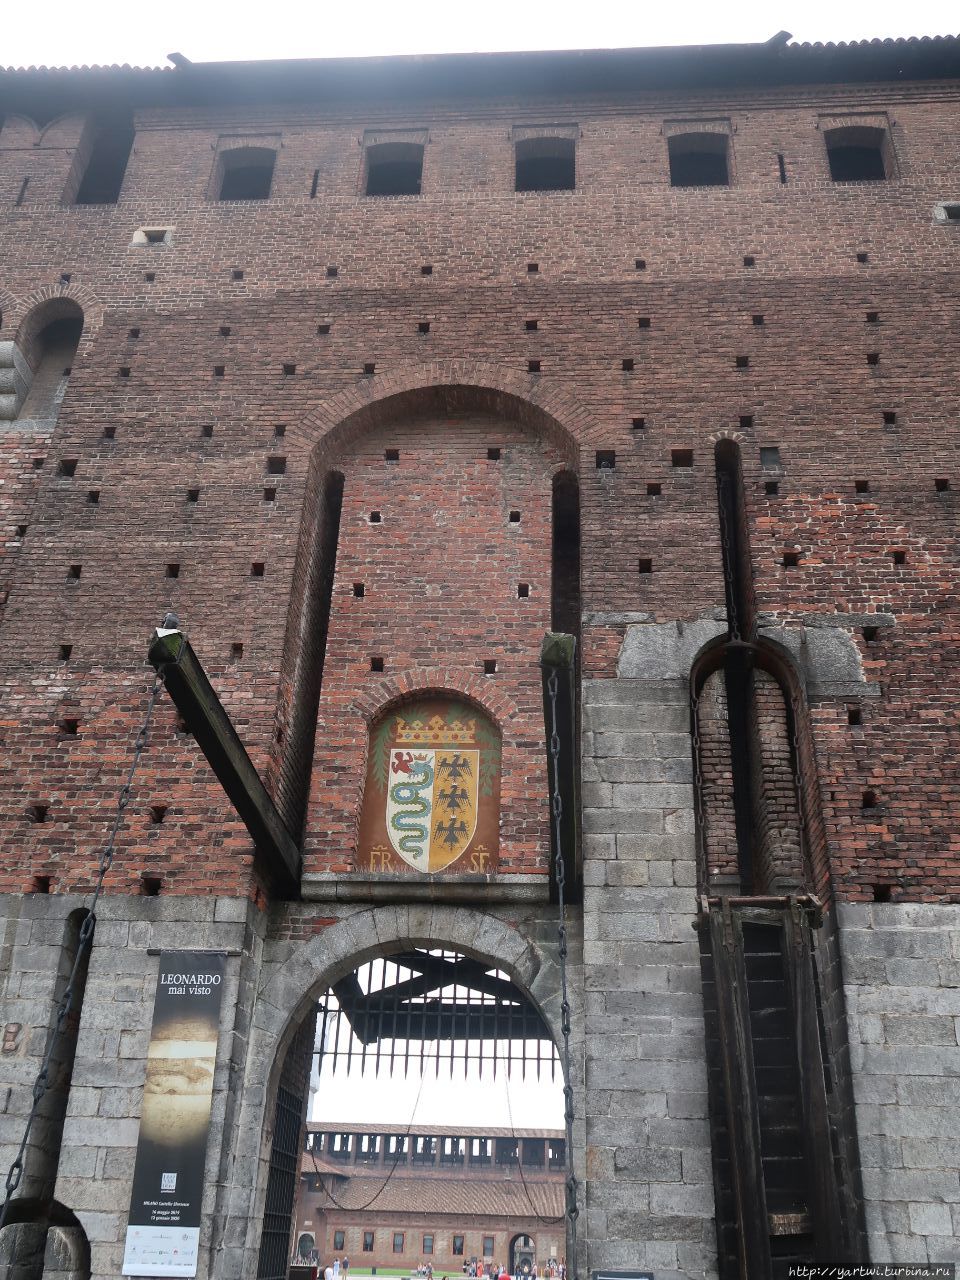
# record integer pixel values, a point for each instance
(411, 822)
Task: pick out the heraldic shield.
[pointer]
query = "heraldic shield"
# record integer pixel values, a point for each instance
(433, 790)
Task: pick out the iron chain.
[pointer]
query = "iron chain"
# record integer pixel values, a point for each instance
(733, 620)
(560, 878)
(65, 1004)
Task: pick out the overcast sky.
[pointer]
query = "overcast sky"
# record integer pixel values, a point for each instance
(368, 1099)
(64, 32)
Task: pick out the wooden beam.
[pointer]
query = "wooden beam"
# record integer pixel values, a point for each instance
(207, 719)
(558, 656)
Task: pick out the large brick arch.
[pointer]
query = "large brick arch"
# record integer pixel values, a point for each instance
(446, 385)
(546, 410)
(45, 302)
(285, 997)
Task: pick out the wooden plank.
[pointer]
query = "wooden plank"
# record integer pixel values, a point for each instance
(743, 1115)
(797, 943)
(206, 718)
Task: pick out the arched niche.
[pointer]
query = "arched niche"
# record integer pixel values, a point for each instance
(306, 669)
(431, 798)
(35, 367)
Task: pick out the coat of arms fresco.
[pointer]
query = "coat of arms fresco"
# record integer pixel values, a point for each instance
(432, 796)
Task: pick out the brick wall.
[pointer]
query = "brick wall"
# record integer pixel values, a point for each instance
(807, 389)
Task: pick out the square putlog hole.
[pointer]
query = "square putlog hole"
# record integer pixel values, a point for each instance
(645, 565)
(681, 457)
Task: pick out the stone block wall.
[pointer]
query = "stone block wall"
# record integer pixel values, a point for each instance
(901, 967)
(649, 1192)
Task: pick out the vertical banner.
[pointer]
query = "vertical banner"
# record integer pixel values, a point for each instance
(163, 1227)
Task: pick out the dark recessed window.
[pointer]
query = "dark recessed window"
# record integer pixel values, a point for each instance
(858, 154)
(394, 169)
(109, 153)
(698, 160)
(545, 164)
(246, 173)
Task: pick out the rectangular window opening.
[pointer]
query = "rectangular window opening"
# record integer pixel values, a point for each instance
(545, 164)
(698, 160)
(394, 169)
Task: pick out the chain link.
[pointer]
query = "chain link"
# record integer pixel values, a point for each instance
(698, 797)
(726, 539)
(797, 711)
(65, 1004)
(560, 878)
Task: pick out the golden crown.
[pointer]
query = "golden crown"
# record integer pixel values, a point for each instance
(436, 732)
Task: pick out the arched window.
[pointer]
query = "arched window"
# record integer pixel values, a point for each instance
(110, 144)
(40, 361)
(858, 153)
(545, 164)
(699, 160)
(394, 169)
(245, 173)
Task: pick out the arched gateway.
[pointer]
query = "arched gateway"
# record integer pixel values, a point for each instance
(525, 948)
